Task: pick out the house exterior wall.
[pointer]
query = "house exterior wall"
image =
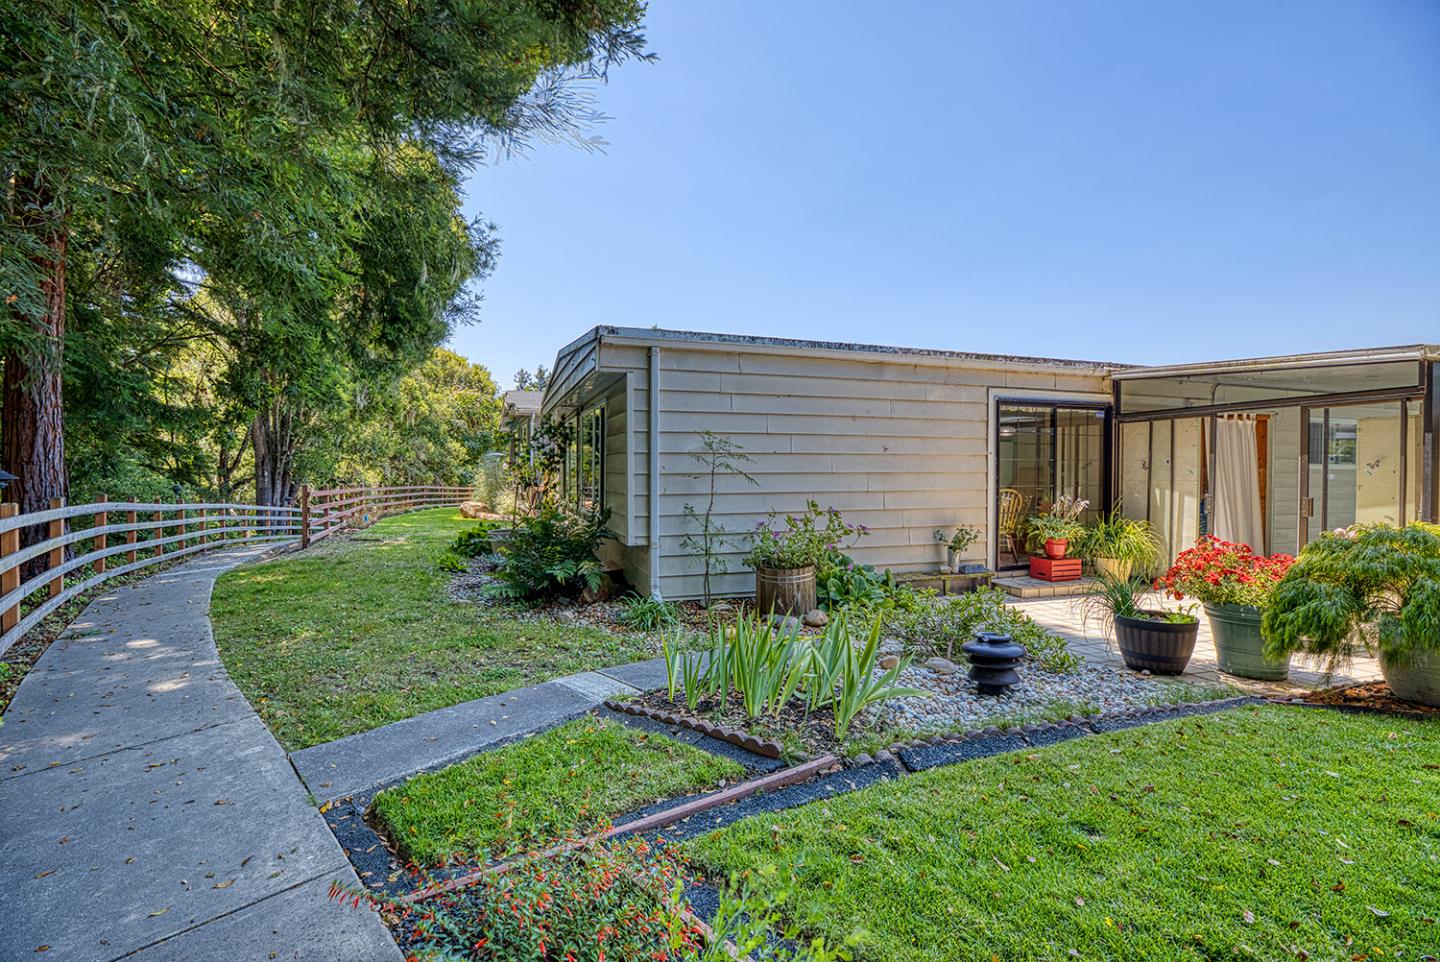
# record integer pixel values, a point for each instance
(901, 446)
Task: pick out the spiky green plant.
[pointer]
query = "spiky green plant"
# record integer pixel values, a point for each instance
(1124, 539)
(861, 687)
(1369, 588)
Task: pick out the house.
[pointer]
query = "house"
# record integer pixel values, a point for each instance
(519, 416)
(907, 441)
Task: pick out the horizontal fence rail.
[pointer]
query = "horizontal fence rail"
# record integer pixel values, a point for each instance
(125, 536)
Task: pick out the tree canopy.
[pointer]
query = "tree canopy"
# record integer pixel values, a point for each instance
(228, 225)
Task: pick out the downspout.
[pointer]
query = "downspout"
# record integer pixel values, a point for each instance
(654, 464)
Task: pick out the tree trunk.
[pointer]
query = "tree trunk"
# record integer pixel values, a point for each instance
(272, 438)
(32, 438)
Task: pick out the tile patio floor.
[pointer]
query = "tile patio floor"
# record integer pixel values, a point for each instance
(1065, 617)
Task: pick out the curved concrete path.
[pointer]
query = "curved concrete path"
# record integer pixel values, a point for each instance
(145, 810)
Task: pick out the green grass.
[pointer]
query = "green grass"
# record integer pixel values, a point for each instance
(542, 789)
(351, 635)
(1265, 833)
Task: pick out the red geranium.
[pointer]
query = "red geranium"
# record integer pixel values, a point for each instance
(1224, 573)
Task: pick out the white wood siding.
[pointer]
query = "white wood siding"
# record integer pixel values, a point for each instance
(897, 445)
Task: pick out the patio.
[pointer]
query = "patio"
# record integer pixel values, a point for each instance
(1065, 617)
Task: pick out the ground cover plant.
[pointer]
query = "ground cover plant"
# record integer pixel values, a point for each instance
(563, 782)
(1263, 833)
(357, 633)
(942, 625)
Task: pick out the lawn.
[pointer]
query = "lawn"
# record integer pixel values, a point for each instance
(543, 789)
(1266, 833)
(353, 634)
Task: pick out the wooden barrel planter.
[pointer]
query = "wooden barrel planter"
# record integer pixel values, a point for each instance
(1160, 647)
(785, 591)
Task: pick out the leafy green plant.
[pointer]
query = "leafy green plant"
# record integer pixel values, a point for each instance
(841, 582)
(1370, 588)
(644, 613)
(553, 552)
(803, 540)
(705, 543)
(1120, 538)
(958, 541)
(1117, 597)
(946, 623)
(470, 543)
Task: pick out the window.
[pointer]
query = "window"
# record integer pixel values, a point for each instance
(589, 488)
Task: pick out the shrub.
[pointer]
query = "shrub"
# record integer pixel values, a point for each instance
(951, 621)
(553, 552)
(1371, 588)
(1217, 572)
(644, 613)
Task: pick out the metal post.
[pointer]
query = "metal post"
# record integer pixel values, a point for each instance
(10, 578)
(57, 555)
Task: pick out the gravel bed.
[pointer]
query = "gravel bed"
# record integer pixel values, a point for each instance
(955, 702)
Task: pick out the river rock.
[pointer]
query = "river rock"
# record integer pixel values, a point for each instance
(941, 666)
(815, 618)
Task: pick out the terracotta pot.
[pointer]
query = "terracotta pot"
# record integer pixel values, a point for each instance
(1161, 647)
(1055, 548)
(785, 591)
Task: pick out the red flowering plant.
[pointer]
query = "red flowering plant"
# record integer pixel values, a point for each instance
(588, 903)
(1217, 572)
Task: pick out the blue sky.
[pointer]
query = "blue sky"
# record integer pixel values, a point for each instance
(1130, 181)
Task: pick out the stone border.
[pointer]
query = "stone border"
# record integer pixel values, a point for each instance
(758, 746)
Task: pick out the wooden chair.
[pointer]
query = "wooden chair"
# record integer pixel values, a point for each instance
(1009, 512)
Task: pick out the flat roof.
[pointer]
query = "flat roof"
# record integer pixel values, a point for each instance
(664, 335)
(1280, 362)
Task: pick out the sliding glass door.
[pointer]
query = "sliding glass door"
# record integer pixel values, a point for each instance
(1044, 450)
(1362, 464)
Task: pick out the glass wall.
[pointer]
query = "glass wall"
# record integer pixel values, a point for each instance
(1043, 451)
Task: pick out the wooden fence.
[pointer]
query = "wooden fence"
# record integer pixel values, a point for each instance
(151, 533)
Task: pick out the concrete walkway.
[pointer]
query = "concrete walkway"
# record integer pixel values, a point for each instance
(357, 764)
(148, 813)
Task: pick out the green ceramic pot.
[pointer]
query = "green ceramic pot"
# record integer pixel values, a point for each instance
(1238, 645)
(1417, 680)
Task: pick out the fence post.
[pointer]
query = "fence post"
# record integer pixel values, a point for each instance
(100, 541)
(10, 578)
(130, 537)
(200, 525)
(183, 513)
(304, 516)
(57, 555)
(159, 532)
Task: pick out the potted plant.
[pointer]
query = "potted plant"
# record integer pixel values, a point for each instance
(785, 558)
(1372, 588)
(1054, 530)
(957, 544)
(1116, 544)
(1234, 584)
(1150, 639)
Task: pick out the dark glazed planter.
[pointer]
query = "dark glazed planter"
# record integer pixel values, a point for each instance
(785, 591)
(1159, 647)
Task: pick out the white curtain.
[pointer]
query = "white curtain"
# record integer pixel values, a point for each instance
(1237, 483)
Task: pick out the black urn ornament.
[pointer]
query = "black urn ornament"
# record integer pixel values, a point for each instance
(993, 659)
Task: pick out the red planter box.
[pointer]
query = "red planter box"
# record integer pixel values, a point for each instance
(1054, 569)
